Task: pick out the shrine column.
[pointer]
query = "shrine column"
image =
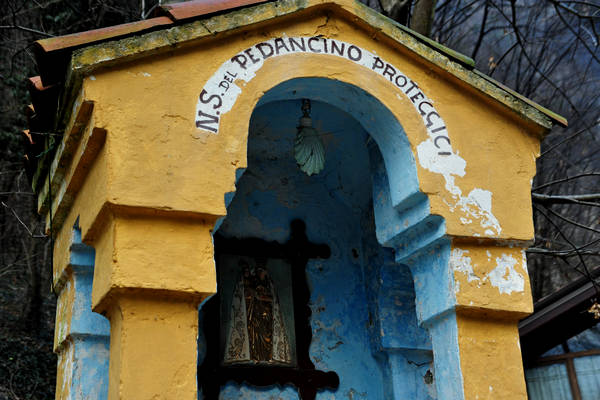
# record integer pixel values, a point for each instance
(152, 272)
(470, 298)
(81, 336)
(469, 292)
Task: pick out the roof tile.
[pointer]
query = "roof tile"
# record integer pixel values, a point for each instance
(97, 35)
(191, 9)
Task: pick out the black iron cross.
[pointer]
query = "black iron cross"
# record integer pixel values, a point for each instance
(213, 374)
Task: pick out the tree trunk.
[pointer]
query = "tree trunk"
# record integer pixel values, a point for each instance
(421, 19)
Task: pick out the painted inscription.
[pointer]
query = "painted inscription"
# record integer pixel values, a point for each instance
(434, 154)
(221, 91)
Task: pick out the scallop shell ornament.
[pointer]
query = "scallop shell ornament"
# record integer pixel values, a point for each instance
(308, 148)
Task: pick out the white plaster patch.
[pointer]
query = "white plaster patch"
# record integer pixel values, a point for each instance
(479, 204)
(146, 74)
(460, 262)
(505, 277)
(67, 373)
(435, 154)
(92, 78)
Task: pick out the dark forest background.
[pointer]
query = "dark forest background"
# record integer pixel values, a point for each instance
(545, 49)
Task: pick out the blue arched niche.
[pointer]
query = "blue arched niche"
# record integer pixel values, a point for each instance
(402, 214)
(400, 217)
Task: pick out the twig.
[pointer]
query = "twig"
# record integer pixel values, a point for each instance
(22, 223)
(562, 199)
(25, 29)
(569, 138)
(568, 178)
(559, 232)
(482, 31)
(570, 221)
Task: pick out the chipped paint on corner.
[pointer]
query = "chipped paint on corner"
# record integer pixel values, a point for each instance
(505, 277)
(461, 262)
(485, 275)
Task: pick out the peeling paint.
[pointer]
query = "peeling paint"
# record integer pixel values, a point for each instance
(505, 277)
(333, 204)
(477, 204)
(434, 154)
(460, 262)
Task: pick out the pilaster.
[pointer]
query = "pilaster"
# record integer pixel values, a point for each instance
(81, 336)
(152, 272)
(470, 297)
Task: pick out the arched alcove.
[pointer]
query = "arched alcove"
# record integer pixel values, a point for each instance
(363, 321)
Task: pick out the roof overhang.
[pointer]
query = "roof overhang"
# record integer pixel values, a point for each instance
(558, 317)
(89, 51)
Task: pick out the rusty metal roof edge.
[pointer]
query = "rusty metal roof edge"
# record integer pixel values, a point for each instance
(79, 39)
(196, 8)
(109, 53)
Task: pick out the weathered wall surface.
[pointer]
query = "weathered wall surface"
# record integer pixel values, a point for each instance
(475, 197)
(451, 197)
(337, 208)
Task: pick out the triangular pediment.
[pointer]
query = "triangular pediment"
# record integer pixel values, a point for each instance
(193, 24)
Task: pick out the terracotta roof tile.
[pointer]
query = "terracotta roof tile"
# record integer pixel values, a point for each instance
(45, 101)
(97, 35)
(35, 82)
(191, 9)
(172, 12)
(53, 54)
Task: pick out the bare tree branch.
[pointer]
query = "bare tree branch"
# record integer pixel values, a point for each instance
(25, 29)
(562, 253)
(574, 248)
(569, 138)
(567, 179)
(580, 199)
(13, 212)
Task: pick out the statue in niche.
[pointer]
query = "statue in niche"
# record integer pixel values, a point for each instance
(257, 332)
(257, 327)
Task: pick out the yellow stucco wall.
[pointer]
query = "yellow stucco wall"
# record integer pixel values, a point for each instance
(150, 331)
(148, 108)
(489, 349)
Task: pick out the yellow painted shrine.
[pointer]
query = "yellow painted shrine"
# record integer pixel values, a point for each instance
(156, 121)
